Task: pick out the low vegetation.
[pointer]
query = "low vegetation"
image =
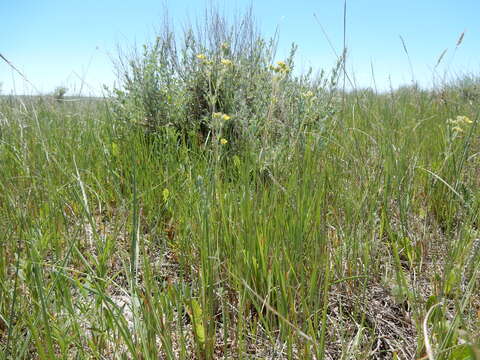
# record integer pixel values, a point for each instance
(219, 205)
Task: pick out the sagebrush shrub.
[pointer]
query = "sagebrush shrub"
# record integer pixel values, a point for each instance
(221, 68)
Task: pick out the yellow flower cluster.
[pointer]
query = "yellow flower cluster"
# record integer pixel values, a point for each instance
(281, 68)
(223, 141)
(219, 115)
(458, 122)
(309, 94)
(203, 58)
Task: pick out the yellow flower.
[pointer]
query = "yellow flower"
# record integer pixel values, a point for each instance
(308, 94)
(226, 62)
(223, 141)
(219, 115)
(463, 119)
(281, 67)
(460, 120)
(201, 57)
(457, 129)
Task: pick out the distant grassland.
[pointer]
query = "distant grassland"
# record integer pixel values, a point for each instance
(217, 205)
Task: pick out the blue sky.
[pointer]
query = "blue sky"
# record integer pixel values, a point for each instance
(59, 43)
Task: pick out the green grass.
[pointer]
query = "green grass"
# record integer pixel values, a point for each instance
(329, 226)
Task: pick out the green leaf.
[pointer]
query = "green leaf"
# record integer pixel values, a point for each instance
(115, 150)
(196, 314)
(462, 352)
